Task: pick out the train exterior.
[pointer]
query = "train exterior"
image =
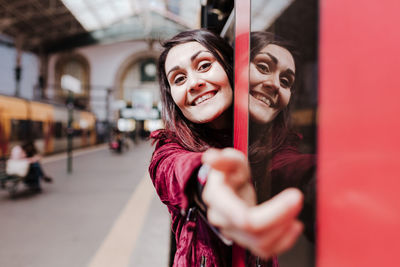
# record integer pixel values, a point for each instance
(46, 124)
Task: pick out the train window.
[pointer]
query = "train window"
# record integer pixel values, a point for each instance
(22, 130)
(18, 130)
(37, 129)
(77, 132)
(58, 130)
(283, 106)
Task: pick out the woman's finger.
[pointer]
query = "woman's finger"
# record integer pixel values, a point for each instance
(219, 197)
(282, 208)
(231, 162)
(271, 241)
(239, 237)
(218, 219)
(268, 243)
(224, 159)
(289, 238)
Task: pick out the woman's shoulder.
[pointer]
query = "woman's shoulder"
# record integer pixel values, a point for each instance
(162, 137)
(289, 152)
(165, 142)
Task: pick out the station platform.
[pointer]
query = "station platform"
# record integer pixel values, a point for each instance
(104, 213)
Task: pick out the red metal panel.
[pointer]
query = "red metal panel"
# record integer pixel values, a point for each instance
(359, 134)
(242, 41)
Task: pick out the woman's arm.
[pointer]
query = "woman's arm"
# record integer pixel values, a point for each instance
(34, 159)
(266, 229)
(173, 171)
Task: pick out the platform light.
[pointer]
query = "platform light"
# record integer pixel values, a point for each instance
(83, 124)
(153, 125)
(126, 125)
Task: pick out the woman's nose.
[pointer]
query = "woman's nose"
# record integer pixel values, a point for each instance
(195, 83)
(272, 83)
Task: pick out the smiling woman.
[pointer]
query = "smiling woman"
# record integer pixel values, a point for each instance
(195, 76)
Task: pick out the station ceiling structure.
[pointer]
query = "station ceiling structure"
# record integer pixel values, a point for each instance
(53, 25)
(45, 26)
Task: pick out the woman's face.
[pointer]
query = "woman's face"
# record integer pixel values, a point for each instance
(199, 84)
(272, 74)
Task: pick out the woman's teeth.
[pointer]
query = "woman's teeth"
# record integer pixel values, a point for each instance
(203, 98)
(264, 99)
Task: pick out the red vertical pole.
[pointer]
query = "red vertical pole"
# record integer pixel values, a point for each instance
(242, 41)
(359, 134)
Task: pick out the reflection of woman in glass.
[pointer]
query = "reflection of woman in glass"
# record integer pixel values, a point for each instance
(275, 160)
(195, 76)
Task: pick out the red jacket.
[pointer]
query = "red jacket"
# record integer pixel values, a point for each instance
(173, 171)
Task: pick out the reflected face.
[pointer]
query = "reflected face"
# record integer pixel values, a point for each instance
(272, 74)
(199, 84)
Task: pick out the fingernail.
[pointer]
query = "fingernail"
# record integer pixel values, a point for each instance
(294, 197)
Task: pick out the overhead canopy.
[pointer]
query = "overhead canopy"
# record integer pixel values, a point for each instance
(51, 25)
(99, 14)
(153, 27)
(33, 23)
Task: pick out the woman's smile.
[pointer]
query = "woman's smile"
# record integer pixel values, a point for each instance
(263, 98)
(203, 98)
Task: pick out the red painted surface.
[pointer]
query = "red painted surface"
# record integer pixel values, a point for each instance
(242, 41)
(359, 134)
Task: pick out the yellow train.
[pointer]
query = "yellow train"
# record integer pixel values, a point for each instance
(22, 119)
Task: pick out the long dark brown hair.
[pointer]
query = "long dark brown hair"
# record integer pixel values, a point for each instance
(192, 136)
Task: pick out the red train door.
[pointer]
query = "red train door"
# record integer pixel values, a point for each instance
(359, 130)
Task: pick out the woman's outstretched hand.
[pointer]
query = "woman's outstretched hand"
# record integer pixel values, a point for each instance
(266, 229)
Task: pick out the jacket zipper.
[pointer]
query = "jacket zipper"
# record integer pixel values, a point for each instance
(258, 262)
(203, 261)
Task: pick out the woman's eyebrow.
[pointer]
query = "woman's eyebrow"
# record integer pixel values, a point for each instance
(171, 70)
(273, 58)
(290, 72)
(193, 57)
(197, 54)
(276, 61)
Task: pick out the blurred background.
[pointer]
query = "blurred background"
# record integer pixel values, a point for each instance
(78, 78)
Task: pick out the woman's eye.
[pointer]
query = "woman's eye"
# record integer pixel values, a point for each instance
(263, 67)
(179, 79)
(286, 83)
(204, 66)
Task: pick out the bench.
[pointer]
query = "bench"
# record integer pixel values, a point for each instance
(8, 182)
